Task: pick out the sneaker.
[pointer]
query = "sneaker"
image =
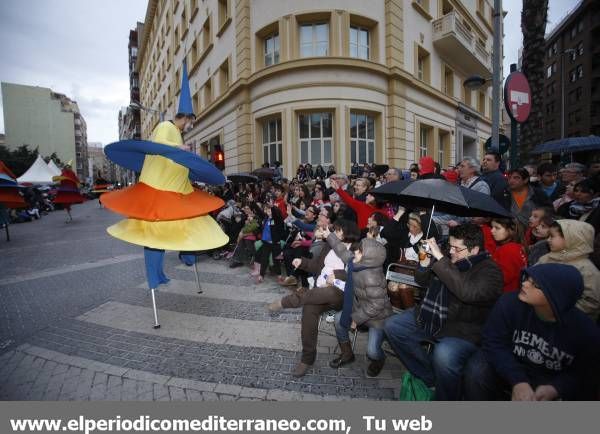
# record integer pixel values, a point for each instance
(275, 307)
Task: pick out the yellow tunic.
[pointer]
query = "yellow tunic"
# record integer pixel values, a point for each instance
(198, 233)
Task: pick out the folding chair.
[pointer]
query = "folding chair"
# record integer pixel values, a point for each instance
(354, 333)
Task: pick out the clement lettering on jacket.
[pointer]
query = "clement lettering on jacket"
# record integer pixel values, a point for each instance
(539, 352)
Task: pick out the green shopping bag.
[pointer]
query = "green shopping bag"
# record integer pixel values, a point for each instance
(414, 389)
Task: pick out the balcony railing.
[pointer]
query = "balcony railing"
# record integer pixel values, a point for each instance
(457, 43)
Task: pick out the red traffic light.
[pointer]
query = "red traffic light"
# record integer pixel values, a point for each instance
(219, 159)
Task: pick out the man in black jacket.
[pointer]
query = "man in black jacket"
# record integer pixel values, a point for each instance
(490, 168)
(461, 290)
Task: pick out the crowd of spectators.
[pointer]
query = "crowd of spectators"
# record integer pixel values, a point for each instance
(500, 308)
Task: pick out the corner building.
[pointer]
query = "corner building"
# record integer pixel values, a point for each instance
(322, 81)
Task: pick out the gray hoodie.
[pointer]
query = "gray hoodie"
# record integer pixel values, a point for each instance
(579, 239)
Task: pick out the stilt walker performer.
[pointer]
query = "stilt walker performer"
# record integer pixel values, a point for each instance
(164, 211)
(68, 190)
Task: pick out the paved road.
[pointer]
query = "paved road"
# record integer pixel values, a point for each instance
(76, 324)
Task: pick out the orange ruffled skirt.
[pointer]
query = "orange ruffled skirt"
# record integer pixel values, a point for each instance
(142, 202)
(167, 220)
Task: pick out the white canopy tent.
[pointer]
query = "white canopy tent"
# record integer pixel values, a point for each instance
(38, 173)
(54, 168)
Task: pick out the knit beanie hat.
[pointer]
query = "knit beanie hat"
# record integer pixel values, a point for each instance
(427, 165)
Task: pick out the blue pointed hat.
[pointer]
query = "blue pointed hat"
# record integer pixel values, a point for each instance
(185, 97)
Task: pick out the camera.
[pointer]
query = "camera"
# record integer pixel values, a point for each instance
(426, 247)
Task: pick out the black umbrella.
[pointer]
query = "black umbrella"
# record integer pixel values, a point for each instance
(242, 177)
(264, 172)
(443, 196)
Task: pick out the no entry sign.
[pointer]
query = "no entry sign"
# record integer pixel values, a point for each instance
(517, 96)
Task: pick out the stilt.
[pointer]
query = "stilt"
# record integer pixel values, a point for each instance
(7, 234)
(197, 277)
(156, 324)
(70, 217)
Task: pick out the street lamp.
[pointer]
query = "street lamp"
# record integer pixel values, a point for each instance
(562, 89)
(475, 82)
(137, 105)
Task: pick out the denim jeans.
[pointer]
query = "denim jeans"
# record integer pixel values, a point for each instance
(481, 381)
(375, 339)
(443, 368)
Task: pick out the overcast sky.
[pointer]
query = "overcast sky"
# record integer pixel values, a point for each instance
(79, 48)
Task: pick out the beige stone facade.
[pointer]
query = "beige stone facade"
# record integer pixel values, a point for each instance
(322, 81)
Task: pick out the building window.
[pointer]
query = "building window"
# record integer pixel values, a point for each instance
(466, 95)
(271, 45)
(359, 42)
(444, 148)
(423, 4)
(207, 93)
(314, 40)
(206, 35)
(573, 32)
(578, 93)
(580, 71)
(272, 141)
(580, 49)
(197, 103)
(316, 138)
(422, 62)
(448, 82)
(481, 103)
(424, 143)
(580, 26)
(549, 71)
(224, 76)
(223, 12)
(362, 138)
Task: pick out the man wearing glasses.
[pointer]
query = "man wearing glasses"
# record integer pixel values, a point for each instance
(461, 289)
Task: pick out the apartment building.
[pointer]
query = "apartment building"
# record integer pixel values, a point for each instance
(49, 121)
(328, 82)
(573, 65)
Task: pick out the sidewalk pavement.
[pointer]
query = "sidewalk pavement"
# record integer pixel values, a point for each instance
(76, 324)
